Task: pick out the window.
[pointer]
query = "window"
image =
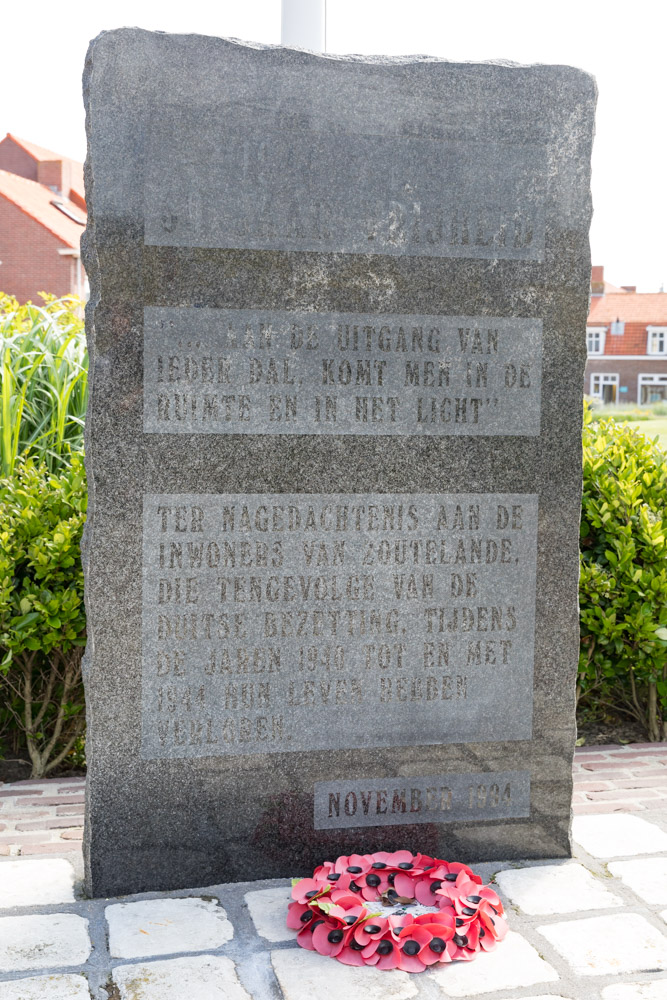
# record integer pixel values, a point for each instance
(595, 339)
(651, 388)
(604, 387)
(657, 340)
(617, 328)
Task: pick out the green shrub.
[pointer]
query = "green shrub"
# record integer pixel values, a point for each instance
(623, 587)
(43, 380)
(42, 617)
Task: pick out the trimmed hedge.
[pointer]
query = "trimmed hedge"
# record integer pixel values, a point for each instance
(623, 585)
(42, 617)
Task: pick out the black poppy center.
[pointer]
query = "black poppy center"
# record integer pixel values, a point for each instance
(373, 880)
(378, 864)
(313, 892)
(468, 910)
(355, 946)
(437, 945)
(452, 877)
(410, 947)
(435, 885)
(461, 940)
(372, 928)
(405, 865)
(353, 887)
(353, 869)
(335, 936)
(305, 917)
(334, 876)
(474, 899)
(350, 920)
(385, 947)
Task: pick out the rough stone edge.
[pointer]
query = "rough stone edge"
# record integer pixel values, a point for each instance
(91, 264)
(357, 58)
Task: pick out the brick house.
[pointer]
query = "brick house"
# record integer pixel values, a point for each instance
(626, 336)
(42, 216)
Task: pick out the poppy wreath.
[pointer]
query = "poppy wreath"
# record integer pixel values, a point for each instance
(334, 912)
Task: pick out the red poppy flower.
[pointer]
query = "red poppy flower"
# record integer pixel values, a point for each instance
(298, 915)
(413, 939)
(440, 934)
(383, 953)
(306, 889)
(371, 930)
(354, 864)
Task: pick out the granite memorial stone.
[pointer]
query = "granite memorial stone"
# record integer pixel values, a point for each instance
(337, 342)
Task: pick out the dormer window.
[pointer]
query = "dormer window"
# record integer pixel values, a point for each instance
(657, 340)
(595, 339)
(617, 328)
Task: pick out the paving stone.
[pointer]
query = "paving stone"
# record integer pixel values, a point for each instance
(304, 975)
(599, 946)
(16, 838)
(636, 991)
(615, 835)
(647, 877)
(514, 963)
(555, 889)
(54, 800)
(43, 941)
(36, 883)
(61, 847)
(56, 823)
(75, 834)
(166, 926)
(268, 909)
(46, 988)
(204, 977)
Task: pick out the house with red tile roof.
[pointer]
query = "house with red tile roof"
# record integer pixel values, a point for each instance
(626, 337)
(42, 217)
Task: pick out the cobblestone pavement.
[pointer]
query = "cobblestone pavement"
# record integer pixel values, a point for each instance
(593, 928)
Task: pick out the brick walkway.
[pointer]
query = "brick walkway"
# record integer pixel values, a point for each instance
(41, 817)
(610, 779)
(46, 817)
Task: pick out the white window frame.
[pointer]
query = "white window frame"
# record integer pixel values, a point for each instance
(649, 378)
(658, 333)
(606, 378)
(600, 333)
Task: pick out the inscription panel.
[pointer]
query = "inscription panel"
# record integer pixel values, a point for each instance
(285, 189)
(247, 371)
(439, 798)
(289, 622)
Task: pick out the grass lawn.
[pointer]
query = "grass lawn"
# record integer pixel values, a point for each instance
(652, 428)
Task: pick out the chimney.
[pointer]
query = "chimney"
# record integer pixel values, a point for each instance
(597, 280)
(55, 174)
(629, 288)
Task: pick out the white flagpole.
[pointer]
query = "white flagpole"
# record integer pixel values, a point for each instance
(303, 24)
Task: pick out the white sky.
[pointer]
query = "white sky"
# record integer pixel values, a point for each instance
(622, 44)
